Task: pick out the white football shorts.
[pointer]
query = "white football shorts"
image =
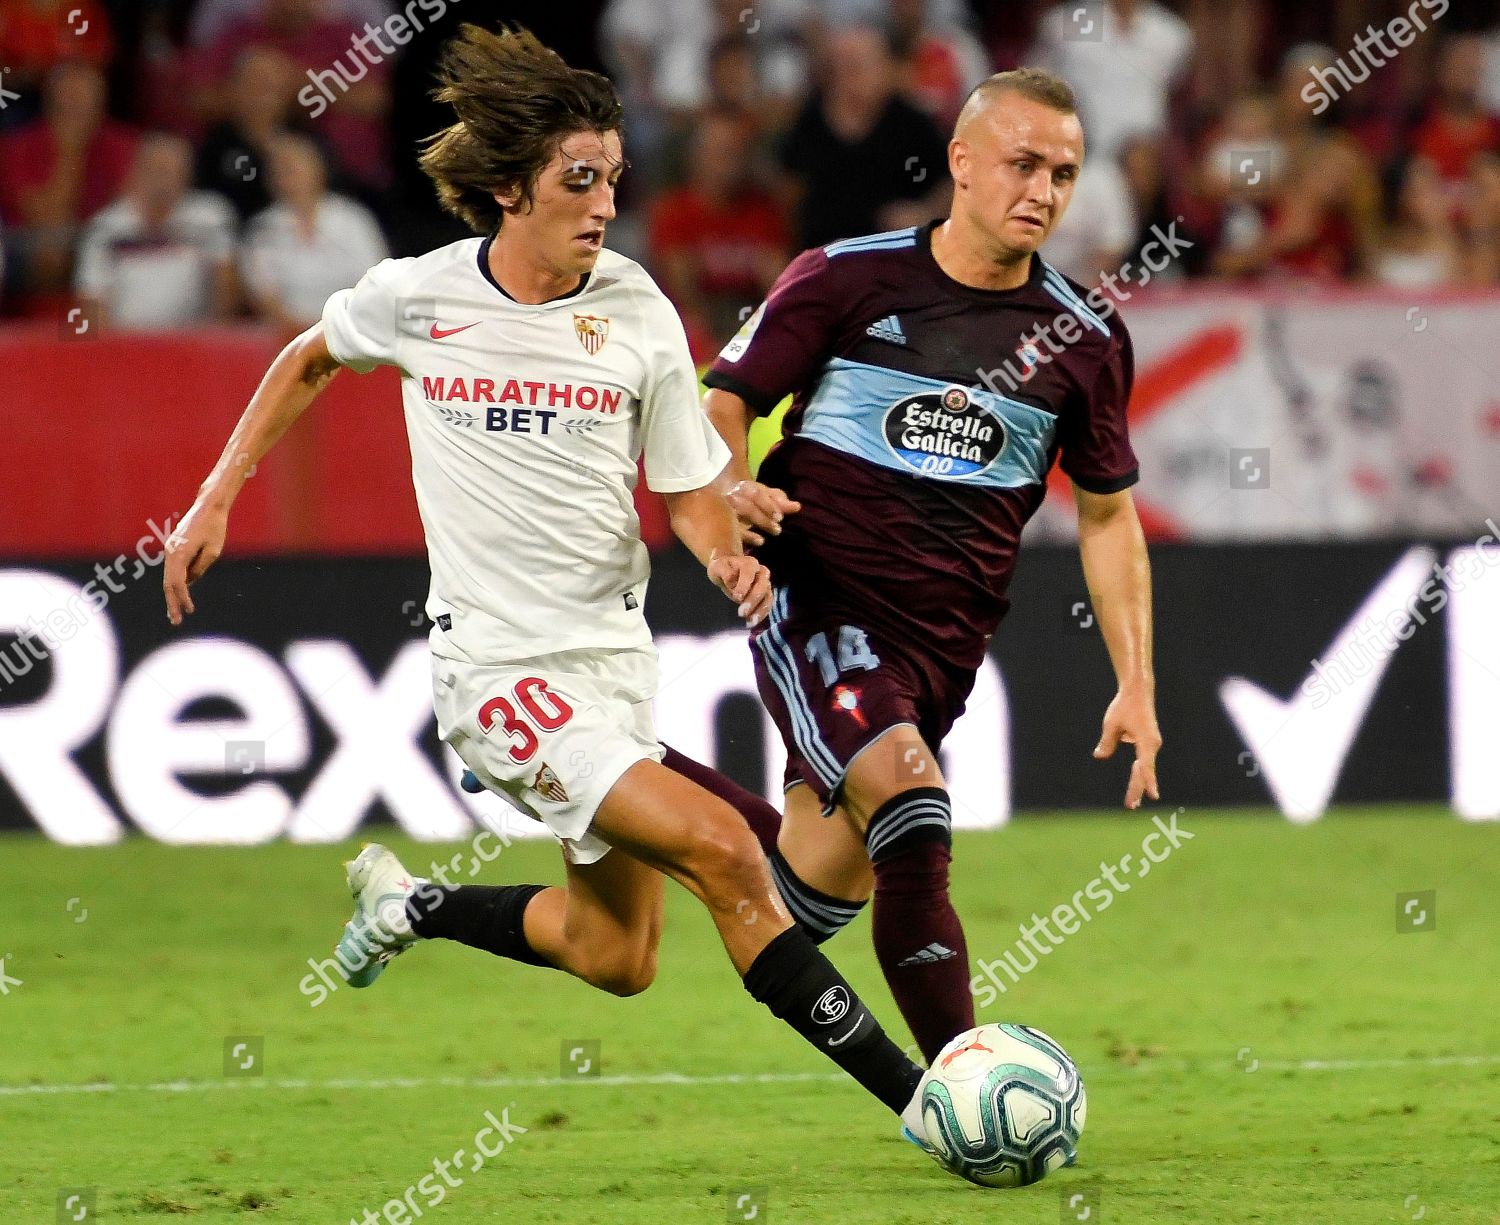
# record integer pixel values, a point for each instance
(552, 733)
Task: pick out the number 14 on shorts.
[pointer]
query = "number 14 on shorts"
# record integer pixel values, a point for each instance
(853, 654)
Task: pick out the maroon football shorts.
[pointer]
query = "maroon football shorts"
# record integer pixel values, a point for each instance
(833, 689)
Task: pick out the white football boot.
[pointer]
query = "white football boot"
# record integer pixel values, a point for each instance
(380, 928)
(914, 1126)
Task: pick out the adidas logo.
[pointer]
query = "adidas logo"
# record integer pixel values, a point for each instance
(888, 329)
(933, 952)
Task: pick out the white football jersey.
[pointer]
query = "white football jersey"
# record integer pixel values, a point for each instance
(526, 424)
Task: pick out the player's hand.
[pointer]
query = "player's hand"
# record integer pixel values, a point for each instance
(760, 509)
(191, 549)
(745, 581)
(1131, 718)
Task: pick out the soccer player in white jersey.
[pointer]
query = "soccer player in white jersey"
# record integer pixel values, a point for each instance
(536, 367)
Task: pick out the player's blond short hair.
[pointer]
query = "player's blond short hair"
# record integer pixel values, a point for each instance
(516, 101)
(1037, 84)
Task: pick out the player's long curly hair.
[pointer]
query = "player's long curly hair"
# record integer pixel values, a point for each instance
(516, 100)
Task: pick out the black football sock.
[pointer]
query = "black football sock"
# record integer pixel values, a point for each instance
(488, 917)
(799, 985)
(763, 820)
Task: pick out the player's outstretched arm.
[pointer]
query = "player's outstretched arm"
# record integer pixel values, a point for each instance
(295, 378)
(760, 508)
(1118, 574)
(703, 521)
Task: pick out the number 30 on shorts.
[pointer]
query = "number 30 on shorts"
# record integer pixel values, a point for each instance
(546, 710)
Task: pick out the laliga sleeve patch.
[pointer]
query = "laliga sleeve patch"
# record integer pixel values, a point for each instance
(740, 343)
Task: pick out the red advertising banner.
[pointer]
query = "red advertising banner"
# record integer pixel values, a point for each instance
(108, 435)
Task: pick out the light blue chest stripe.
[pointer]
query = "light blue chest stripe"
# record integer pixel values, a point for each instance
(1054, 284)
(848, 411)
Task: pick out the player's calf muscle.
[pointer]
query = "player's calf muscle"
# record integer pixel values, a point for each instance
(575, 939)
(623, 970)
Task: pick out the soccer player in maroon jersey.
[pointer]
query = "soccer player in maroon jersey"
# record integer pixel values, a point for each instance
(891, 511)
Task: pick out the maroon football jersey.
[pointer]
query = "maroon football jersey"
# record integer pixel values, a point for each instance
(926, 415)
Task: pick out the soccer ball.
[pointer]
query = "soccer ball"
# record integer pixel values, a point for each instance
(1003, 1105)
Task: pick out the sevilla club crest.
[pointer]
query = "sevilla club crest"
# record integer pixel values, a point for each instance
(592, 332)
(549, 786)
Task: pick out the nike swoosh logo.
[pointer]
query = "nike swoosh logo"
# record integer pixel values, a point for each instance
(1301, 744)
(438, 333)
(850, 1034)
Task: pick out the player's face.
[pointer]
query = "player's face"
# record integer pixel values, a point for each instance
(572, 202)
(1014, 169)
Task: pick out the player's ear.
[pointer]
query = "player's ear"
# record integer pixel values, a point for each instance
(958, 162)
(509, 198)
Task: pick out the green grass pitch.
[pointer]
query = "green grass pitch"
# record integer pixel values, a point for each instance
(1259, 1042)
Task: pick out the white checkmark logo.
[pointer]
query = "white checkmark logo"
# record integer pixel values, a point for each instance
(1301, 744)
(850, 1034)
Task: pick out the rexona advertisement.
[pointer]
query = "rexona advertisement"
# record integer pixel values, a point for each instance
(297, 702)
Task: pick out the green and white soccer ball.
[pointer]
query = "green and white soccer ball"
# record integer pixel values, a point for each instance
(1003, 1106)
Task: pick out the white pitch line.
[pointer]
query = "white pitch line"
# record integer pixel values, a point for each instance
(423, 1082)
(1364, 1065)
(686, 1081)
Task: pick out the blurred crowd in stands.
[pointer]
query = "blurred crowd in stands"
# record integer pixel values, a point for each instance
(168, 163)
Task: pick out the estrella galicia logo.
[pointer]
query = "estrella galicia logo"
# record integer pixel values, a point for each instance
(831, 1005)
(944, 433)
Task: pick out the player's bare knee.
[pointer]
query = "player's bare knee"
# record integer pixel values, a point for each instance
(724, 862)
(897, 763)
